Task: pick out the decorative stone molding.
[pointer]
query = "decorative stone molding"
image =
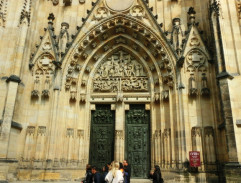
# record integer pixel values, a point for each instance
(55, 2)
(30, 130)
(26, 12)
(157, 97)
(45, 93)
(101, 13)
(195, 60)
(3, 12)
(67, 2)
(208, 131)
(165, 95)
(238, 4)
(196, 131)
(167, 133)
(119, 134)
(82, 97)
(41, 130)
(80, 133)
(70, 132)
(120, 72)
(137, 11)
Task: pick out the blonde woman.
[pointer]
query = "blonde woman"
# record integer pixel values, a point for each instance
(114, 175)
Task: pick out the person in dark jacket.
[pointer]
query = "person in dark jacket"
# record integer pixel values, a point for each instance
(127, 169)
(157, 176)
(105, 172)
(88, 174)
(96, 176)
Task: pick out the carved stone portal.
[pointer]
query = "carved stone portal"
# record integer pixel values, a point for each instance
(120, 72)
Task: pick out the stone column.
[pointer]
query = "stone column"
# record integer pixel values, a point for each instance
(223, 77)
(7, 117)
(13, 82)
(173, 127)
(80, 135)
(119, 135)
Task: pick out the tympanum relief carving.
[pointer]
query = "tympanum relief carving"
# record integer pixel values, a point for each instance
(120, 72)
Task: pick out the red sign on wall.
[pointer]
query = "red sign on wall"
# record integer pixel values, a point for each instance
(194, 158)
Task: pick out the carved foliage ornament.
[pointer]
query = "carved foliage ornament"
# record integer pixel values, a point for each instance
(101, 13)
(120, 72)
(137, 11)
(3, 12)
(238, 3)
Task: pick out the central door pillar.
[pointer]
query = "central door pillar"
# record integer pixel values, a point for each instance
(119, 131)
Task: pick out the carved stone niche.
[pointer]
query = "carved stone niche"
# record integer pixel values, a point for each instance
(192, 86)
(205, 91)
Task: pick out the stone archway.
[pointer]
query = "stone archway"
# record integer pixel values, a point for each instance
(85, 59)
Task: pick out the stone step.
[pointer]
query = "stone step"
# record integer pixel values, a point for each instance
(141, 181)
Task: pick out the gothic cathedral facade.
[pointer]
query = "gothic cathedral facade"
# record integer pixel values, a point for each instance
(148, 81)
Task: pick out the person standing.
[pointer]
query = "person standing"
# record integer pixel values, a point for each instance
(114, 175)
(127, 169)
(88, 174)
(157, 176)
(96, 176)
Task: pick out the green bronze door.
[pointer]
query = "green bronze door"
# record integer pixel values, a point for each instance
(102, 136)
(137, 146)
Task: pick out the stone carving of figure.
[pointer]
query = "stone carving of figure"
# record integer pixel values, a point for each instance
(63, 38)
(177, 35)
(192, 85)
(205, 90)
(204, 81)
(123, 72)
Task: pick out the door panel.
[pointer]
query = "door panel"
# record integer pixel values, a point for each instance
(137, 140)
(102, 136)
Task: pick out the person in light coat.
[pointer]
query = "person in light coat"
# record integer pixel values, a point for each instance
(114, 175)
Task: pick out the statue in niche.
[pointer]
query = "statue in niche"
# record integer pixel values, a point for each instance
(192, 85)
(205, 90)
(120, 72)
(63, 38)
(177, 35)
